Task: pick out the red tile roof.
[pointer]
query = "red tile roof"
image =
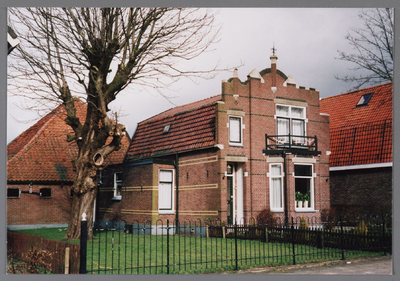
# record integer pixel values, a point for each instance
(360, 135)
(41, 153)
(191, 126)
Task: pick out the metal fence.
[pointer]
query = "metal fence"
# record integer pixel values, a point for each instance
(173, 247)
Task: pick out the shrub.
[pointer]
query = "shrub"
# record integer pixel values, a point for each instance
(266, 217)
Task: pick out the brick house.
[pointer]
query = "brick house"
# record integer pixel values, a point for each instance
(229, 156)
(361, 162)
(40, 173)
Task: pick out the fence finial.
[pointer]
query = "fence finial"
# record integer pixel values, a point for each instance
(84, 216)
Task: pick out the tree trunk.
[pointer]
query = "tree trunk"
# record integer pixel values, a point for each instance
(81, 204)
(84, 193)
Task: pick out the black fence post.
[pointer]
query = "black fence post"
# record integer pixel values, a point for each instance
(293, 247)
(167, 246)
(83, 246)
(341, 237)
(236, 249)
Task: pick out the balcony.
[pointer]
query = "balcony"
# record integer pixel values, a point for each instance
(291, 144)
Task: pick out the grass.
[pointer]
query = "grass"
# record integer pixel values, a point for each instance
(114, 252)
(49, 233)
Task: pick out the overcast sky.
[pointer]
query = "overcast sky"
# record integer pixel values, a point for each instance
(306, 39)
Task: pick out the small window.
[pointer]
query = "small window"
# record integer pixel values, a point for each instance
(235, 131)
(45, 192)
(364, 99)
(13, 192)
(166, 129)
(117, 185)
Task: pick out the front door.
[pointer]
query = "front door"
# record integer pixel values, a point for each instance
(230, 192)
(234, 175)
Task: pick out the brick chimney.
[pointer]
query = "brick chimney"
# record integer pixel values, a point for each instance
(273, 72)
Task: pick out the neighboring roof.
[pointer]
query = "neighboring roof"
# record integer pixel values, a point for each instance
(192, 126)
(360, 134)
(42, 154)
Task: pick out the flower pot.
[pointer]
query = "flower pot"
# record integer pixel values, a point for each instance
(305, 204)
(299, 204)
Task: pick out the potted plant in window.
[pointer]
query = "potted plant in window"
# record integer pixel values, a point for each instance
(299, 199)
(306, 199)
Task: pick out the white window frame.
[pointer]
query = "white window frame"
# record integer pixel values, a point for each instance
(116, 182)
(240, 142)
(291, 118)
(311, 206)
(271, 193)
(166, 210)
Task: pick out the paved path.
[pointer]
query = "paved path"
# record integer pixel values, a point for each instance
(362, 266)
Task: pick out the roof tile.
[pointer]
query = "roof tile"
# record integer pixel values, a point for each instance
(41, 153)
(360, 135)
(192, 126)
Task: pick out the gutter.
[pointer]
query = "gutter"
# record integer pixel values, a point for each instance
(362, 166)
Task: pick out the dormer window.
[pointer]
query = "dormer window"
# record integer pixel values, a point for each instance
(364, 99)
(166, 129)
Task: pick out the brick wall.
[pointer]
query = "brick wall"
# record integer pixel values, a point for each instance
(366, 190)
(31, 209)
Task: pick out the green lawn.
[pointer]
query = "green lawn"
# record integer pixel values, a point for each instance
(49, 233)
(115, 252)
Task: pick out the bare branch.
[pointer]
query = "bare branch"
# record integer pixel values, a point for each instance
(373, 48)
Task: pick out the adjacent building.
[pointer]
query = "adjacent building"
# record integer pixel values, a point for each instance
(361, 132)
(40, 172)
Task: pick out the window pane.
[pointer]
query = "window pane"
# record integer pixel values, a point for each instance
(45, 192)
(282, 110)
(303, 170)
(234, 129)
(118, 176)
(297, 112)
(277, 193)
(298, 127)
(283, 126)
(165, 196)
(165, 176)
(276, 170)
(13, 192)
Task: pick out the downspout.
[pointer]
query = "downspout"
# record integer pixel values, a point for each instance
(285, 189)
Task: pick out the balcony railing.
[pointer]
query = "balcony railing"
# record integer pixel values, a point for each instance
(291, 143)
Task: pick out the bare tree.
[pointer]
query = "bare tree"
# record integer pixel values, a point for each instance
(373, 48)
(67, 53)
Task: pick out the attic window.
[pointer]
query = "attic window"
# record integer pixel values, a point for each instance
(166, 129)
(364, 99)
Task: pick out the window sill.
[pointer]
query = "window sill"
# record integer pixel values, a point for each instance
(166, 212)
(236, 144)
(117, 198)
(305, 210)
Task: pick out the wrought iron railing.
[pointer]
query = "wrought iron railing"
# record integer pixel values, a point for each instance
(291, 142)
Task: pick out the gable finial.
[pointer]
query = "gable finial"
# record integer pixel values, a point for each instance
(273, 49)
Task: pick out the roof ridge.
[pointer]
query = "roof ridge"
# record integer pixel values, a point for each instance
(358, 90)
(154, 118)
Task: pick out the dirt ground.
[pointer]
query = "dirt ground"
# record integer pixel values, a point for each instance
(362, 266)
